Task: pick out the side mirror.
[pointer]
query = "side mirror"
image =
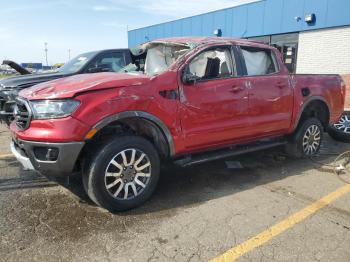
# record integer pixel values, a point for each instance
(189, 78)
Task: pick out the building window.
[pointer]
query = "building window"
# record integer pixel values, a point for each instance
(287, 44)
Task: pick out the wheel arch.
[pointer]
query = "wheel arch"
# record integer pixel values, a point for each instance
(317, 107)
(145, 123)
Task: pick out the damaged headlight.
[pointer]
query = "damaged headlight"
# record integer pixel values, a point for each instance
(45, 109)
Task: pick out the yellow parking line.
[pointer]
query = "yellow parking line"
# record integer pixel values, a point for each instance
(6, 155)
(260, 239)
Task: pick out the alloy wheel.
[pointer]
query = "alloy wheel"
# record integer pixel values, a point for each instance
(128, 174)
(343, 124)
(312, 140)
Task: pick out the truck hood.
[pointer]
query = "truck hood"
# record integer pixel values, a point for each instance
(16, 66)
(70, 86)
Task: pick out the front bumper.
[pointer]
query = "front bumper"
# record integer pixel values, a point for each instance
(32, 156)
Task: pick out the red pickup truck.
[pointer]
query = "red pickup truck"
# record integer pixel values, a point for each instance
(189, 100)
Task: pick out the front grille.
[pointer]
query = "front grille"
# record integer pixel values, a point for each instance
(2, 103)
(22, 114)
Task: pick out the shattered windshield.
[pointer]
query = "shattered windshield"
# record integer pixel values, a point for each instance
(155, 58)
(74, 65)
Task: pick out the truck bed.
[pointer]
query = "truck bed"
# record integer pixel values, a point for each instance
(326, 86)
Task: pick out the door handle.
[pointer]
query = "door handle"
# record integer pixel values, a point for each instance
(281, 84)
(236, 89)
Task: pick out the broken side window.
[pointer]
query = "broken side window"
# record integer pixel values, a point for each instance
(259, 61)
(155, 57)
(160, 57)
(211, 64)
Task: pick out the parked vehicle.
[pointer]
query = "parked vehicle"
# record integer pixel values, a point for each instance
(189, 100)
(16, 67)
(341, 130)
(91, 62)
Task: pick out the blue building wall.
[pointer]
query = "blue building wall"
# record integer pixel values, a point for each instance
(260, 18)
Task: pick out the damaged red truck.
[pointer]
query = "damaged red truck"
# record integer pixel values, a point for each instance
(188, 100)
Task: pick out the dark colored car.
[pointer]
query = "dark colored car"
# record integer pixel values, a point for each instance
(111, 60)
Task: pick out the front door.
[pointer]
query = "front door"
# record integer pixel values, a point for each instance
(214, 107)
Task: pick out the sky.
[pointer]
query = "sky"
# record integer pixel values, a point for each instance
(84, 25)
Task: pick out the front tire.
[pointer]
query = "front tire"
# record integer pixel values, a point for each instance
(122, 174)
(307, 140)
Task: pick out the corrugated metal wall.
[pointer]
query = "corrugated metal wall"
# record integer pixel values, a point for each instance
(255, 19)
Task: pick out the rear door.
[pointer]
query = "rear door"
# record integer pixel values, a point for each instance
(270, 92)
(214, 108)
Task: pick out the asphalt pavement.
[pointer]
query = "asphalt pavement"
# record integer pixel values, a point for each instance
(271, 208)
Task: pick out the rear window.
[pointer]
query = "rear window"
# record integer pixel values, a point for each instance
(259, 61)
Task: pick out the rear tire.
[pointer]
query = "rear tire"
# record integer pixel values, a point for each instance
(307, 139)
(341, 130)
(122, 174)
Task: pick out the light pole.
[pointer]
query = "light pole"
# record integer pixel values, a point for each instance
(127, 35)
(68, 54)
(46, 53)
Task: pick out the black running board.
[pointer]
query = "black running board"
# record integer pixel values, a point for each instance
(228, 152)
